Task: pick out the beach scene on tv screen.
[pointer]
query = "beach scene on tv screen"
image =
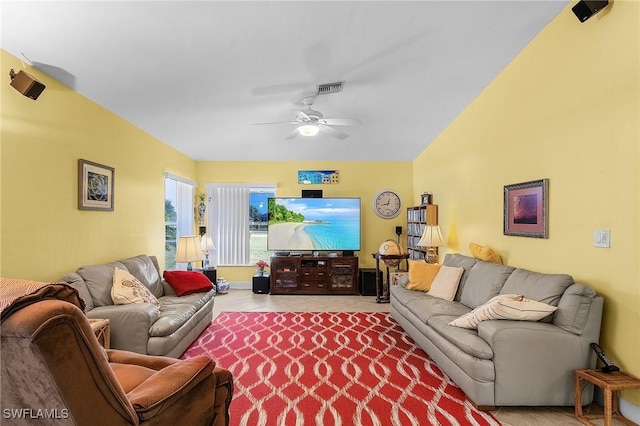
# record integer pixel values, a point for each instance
(314, 224)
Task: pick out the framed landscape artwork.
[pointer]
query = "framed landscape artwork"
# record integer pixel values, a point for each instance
(95, 186)
(526, 209)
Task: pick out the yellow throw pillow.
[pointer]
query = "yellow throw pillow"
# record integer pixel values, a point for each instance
(421, 275)
(484, 253)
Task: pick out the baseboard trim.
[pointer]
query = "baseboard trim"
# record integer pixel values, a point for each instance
(240, 285)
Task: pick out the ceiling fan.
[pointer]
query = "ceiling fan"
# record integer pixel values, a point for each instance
(310, 122)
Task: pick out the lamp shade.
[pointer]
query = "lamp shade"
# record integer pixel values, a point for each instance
(308, 130)
(206, 243)
(189, 249)
(432, 237)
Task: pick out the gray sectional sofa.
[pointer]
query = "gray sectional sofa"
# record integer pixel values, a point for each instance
(506, 362)
(144, 327)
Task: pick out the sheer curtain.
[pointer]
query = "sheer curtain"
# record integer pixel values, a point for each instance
(228, 222)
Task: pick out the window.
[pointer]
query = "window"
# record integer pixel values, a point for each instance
(178, 214)
(237, 222)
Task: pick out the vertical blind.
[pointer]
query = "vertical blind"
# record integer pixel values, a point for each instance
(228, 223)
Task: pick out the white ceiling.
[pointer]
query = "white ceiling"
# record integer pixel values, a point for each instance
(198, 75)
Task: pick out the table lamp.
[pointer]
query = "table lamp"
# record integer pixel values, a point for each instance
(206, 244)
(431, 239)
(189, 250)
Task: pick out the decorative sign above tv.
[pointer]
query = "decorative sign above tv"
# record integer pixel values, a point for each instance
(313, 224)
(318, 177)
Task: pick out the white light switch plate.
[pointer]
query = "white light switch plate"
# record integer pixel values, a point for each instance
(602, 238)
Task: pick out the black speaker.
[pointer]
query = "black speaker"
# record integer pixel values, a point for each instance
(312, 193)
(585, 9)
(26, 84)
(261, 284)
(398, 230)
(367, 281)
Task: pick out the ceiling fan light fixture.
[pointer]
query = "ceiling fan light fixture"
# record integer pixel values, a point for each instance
(308, 130)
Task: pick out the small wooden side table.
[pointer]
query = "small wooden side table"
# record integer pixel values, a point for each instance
(102, 330)
(382, 294)
(611, 385)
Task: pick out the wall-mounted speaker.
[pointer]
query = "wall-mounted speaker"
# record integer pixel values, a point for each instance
(312, 193)
(26, 84)
(585, 9)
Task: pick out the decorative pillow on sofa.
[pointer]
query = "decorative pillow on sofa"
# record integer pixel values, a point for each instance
(421, 275)
(505, 306)
(484, 253)
(128, 289)
(446, 282)
(187, 282)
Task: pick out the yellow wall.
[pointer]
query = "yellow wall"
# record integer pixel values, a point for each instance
(357, 179)
(44, 235)
(567, 109)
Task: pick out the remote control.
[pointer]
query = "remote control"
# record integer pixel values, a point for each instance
(609, 366)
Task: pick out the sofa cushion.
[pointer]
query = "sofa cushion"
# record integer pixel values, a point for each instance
(484, 281)
(128, 289)
(446, 282)
(187, 282)
(505, 307)
(574, 307)
(466, 340)
(425, 307)
(465, 262)
(99, 280)
(484, 253)
(172, 317)
(76, 281)
(145, 268)
(545, 288)
(421, 275)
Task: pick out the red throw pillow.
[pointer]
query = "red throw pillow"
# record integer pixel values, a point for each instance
(187, 282)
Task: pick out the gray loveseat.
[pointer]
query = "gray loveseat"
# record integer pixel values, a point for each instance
(143, 327)
(506, 362)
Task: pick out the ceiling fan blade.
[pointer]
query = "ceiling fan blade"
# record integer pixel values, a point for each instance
(303, 115)
(276, 122)
(338, 134)
(293, 134)
(341, 121)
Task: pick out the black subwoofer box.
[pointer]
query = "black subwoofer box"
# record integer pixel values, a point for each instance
(261, 284)
(367, 281)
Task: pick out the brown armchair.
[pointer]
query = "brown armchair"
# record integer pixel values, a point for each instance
(54, 368)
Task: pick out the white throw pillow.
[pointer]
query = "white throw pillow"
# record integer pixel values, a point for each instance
(128, 289)
(505, 306)
(445, 284)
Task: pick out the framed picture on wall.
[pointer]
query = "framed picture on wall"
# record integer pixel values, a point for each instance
(526, 209)
(95, 186)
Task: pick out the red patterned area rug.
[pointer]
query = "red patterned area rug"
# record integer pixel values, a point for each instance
(329, 368)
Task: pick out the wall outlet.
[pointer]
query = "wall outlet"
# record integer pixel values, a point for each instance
(602, 238)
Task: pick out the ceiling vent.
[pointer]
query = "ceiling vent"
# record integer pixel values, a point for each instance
(325, 89)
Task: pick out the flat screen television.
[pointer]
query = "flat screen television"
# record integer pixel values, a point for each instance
(313, 224)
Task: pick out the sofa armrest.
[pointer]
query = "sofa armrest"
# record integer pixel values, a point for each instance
(527, 352)
(130, 324)
(168, 385)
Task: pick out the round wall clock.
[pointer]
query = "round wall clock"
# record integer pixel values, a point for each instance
(386, 204)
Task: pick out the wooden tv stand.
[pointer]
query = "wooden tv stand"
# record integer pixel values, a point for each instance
(314, 275)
